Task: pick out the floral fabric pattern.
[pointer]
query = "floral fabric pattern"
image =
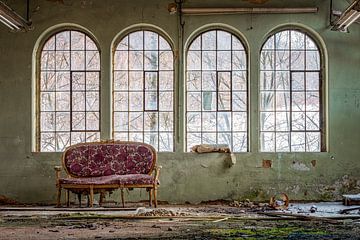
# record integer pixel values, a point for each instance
(135, 179)
(90, 181)
(105, 159)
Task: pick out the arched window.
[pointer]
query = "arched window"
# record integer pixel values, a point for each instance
(216, 91)
(291, 90)
(68, 91)
(143, 97)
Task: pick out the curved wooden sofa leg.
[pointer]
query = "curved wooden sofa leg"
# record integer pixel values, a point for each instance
(91, 196)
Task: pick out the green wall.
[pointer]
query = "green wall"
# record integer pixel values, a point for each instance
(29, 177)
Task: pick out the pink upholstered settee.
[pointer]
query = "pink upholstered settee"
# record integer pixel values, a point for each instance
(97, 167)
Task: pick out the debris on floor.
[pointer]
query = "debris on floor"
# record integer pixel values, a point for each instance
(161, 212)
(213, 220)
(350, 200)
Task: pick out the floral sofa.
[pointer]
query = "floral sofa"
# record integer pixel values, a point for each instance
(97, 167)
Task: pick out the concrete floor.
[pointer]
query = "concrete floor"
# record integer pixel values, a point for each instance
(203, 221)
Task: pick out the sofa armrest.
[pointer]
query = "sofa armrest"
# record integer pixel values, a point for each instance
(157, 172)
(57, 173)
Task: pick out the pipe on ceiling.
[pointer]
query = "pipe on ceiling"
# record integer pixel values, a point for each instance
(214, 11)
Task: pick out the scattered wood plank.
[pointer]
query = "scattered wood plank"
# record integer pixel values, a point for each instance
(349, 200)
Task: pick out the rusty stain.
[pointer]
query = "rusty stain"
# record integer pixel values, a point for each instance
(266, 163)
(313, 163)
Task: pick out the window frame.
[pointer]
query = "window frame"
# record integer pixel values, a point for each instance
(322, 89)
(246, 71)
(38, 91)
(173, 91)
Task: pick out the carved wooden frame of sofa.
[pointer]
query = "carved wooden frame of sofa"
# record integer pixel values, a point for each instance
(98, 167)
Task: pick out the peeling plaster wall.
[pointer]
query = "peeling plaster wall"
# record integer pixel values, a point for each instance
(29, 177)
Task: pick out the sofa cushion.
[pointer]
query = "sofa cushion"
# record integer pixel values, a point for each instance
(135, 179)
(91, 180)
(104, 159)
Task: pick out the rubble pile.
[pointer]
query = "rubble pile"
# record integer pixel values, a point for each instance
(248, 204)
(162, 213)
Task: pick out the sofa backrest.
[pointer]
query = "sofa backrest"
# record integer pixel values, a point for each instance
(95, 159)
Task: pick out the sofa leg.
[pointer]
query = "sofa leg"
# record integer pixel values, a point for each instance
(102, 196)
(122, 197)
(91, 196)
(150, 196)
(67, 198)
(79, 198)
(58, 204)
(155, 196)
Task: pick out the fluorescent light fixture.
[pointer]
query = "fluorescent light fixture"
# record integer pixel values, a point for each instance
(349, 16)
(348, 19)
(11, 19)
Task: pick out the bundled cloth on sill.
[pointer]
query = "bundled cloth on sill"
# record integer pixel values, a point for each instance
(207, 148)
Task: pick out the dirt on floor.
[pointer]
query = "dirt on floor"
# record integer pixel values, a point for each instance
(203, 221)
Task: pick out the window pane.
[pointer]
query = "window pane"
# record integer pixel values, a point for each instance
(47, 81)
(298, 141)
(223, 40)
(121, 121)
(166, 142)
(166, 121)
(193, 121)
(238, 60)
(209, 122)
(209, 40)
(267, 142)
